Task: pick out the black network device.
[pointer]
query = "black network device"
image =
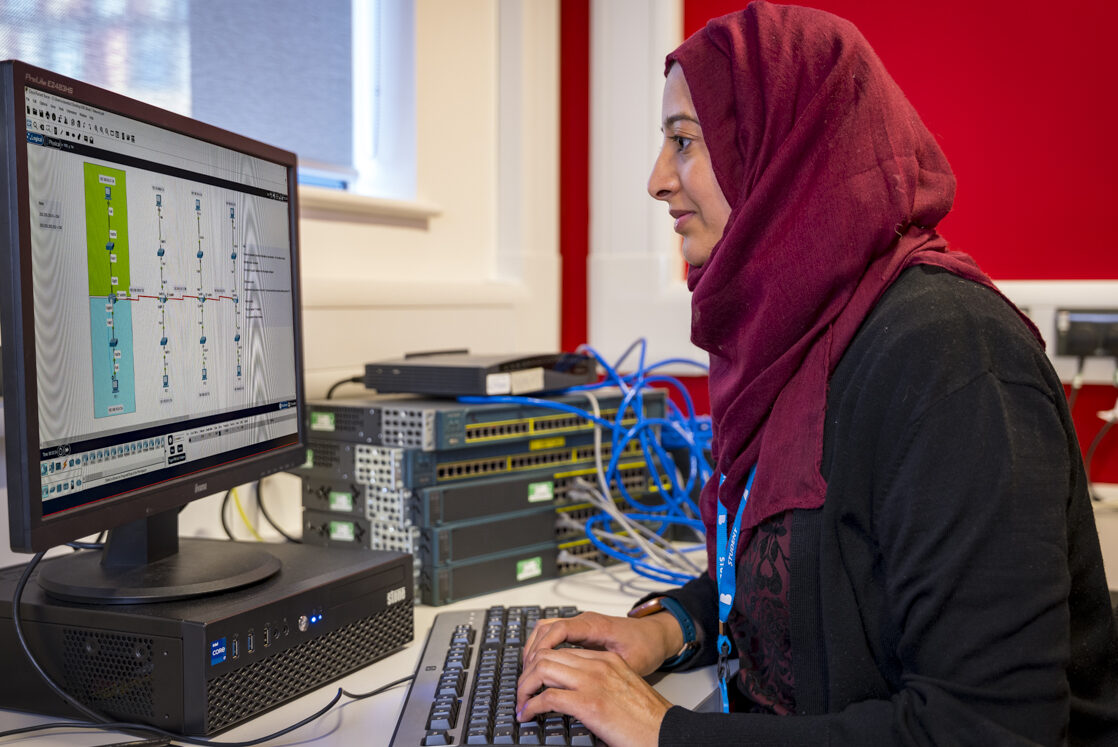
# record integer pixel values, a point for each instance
(466, 374)
(204, 665)
(436, 424)
(1087, 332)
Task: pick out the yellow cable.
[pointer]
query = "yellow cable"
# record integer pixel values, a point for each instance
(244, 517)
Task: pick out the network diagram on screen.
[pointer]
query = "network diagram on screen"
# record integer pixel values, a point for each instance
(120, 301)
(161, 270)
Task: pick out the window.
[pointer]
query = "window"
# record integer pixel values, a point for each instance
(332, 80)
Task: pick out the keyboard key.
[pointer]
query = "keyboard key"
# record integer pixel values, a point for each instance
(554, 729)
(463, 634)
(580, 735)
(442, 718)
(529, 734)
(477, 736)
(436, 738)
(504, 734)
(440, 722)
(449, 687)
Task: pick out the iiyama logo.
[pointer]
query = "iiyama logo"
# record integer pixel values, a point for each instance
(199, 487)
(52, 84)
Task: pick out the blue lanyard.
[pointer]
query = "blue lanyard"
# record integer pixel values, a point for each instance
(726, 570)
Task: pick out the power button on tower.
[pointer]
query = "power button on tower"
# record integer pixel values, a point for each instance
(304, 623)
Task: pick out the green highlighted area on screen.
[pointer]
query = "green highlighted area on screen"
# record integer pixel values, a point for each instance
(110, 314)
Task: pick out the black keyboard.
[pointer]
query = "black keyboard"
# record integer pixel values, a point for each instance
(464, 690)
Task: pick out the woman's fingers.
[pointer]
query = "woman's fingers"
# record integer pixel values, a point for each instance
(640, 642)
(596, 687)
(590, 629)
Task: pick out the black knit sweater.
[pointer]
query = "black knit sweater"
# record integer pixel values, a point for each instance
(951, 588)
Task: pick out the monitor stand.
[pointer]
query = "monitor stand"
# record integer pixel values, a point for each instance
(146, 561)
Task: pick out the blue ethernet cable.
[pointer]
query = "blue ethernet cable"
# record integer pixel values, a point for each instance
(685, 428)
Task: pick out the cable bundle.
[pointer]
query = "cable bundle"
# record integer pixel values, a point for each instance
(636, 537)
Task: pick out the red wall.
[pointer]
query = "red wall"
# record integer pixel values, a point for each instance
(1023, 98)
(574, 168)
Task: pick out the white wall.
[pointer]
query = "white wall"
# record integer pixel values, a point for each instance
(475, 262)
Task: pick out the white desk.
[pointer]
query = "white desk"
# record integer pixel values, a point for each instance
(370, 722)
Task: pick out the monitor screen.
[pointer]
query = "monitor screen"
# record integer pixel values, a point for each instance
(151, 329)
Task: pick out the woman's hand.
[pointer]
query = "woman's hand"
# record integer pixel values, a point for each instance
(597, 688)
(643, 643)
(601, 683)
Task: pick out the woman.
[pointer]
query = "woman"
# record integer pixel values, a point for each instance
(918, 562)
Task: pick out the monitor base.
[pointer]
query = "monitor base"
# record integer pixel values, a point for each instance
(199, 568)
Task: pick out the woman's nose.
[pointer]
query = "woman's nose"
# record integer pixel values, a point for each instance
(662, 181)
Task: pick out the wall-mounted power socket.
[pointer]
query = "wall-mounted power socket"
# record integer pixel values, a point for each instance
(1087, 332)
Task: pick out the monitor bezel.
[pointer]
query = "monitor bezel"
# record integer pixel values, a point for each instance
(29, 531)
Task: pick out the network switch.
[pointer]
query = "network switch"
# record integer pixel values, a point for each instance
(452, 543)
(440, 585)
(430, 424)
(391, 468)
(476, 498)
(468, 499)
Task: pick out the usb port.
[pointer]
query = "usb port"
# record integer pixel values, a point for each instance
(236, 648)
(267, 636)
(250, 640)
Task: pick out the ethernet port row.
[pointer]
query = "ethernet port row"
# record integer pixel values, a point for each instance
(483, 431)
(470, 469)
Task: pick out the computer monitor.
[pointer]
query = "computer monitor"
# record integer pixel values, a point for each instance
(151, 333)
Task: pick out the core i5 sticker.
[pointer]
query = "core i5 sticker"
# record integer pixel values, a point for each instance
(217, 651)
(529, 568)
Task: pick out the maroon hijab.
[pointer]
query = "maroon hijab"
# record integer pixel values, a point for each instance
(835, 187)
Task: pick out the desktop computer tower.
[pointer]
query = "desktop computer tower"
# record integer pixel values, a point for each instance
(202, 665)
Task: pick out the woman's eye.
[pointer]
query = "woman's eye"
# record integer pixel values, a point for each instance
(681, 142)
